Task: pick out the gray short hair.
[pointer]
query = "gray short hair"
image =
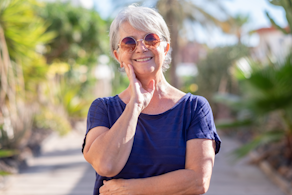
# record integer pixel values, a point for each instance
(143, 19)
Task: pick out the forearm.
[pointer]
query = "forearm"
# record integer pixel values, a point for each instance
(180, 182)
(109, 152)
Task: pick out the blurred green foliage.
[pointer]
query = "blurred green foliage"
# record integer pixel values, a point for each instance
(81, 38)
(49, 52)
(81, 33)
(21, 32)
(265, 104)
(215, 72)
(287, 5)
(24, 30)
(53, 119)
(7, 153)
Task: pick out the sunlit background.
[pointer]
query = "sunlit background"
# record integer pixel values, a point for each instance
(55, 60)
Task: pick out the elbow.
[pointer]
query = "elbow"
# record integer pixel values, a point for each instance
(105, 170)
(101, 168)
(202, 190)
(202, 186)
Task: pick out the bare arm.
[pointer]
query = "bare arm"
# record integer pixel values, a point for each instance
(194, 179)
(108, 150)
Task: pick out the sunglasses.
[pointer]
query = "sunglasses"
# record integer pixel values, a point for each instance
(129, 44)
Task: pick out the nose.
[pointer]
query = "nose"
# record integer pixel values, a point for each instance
(141, 46)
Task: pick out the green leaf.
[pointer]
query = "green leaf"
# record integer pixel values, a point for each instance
(4, 173)
(267, 137)
(275, 24)
(7, 153)
(224, 124)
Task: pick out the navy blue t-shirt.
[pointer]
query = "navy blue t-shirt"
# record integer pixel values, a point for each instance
(160, 140)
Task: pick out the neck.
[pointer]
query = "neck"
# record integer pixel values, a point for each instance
(162, 87)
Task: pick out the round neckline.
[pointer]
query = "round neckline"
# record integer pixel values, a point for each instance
(149, 116)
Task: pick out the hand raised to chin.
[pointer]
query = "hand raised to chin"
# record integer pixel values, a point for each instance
(139, 95)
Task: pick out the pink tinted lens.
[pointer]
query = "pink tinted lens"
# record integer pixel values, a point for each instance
(128, 44)
(152, 40)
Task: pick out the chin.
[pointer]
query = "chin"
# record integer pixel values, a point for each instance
(145, 70)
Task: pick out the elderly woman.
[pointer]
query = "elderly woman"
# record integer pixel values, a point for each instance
(152, 138)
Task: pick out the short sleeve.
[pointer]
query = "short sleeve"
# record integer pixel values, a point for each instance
(202, 124)
(97, 116)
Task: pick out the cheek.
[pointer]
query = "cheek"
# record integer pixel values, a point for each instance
(159, 52)
(125, 58)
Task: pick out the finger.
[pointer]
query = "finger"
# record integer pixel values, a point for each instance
(131, 70)
(126, 69)
(132, 75)
(103, 189)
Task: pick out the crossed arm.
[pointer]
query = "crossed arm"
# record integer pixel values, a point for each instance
(193, 180)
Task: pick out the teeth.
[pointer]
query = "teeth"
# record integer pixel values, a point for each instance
(142, 60)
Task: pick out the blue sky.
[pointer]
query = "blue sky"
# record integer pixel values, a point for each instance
(255, 8)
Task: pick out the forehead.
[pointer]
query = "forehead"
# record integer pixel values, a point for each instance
(127, 30)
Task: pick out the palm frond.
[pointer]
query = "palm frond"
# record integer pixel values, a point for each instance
(227, 124)
(275, 24)
(268, 137)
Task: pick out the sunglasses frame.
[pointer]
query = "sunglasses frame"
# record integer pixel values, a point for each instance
(142, 40)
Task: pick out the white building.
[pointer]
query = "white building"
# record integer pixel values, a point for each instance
(273, 44)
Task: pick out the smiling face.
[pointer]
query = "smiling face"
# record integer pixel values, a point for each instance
(145, 61)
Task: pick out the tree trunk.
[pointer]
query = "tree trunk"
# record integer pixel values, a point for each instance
(174, 29)
(174, 56)
(289, 144)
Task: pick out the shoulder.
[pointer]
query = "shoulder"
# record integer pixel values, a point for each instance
(197, 105)
(196, 100)
(188, 97)
(199, 100)
(103, 102)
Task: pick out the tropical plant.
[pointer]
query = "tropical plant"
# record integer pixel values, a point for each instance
(236, 25)
(21, 31)
(215, 72)
(287, 5)
(81, 38)
(81, 33)
(265, 105)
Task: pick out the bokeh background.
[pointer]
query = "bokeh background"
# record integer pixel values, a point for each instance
(55, 60)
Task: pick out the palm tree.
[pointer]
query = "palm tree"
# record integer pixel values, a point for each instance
(287, 5)
(20, 32)
(236, 25)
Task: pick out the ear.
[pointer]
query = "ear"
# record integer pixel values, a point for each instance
(166, 49)
(116, 54)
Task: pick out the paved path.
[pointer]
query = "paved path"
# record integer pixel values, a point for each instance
(238, 178)
(61, 170)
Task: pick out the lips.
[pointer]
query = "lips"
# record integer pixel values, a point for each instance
(143, 59)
